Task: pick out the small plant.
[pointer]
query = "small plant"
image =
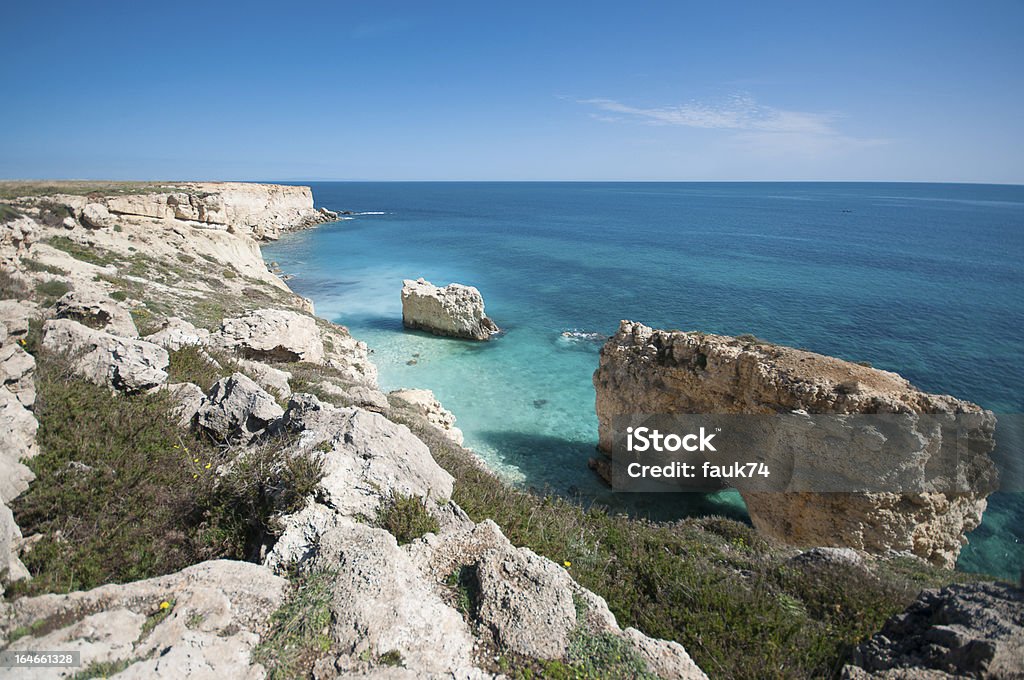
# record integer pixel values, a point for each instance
(163, 610)
(465, 583)
(229, 274)
(8, 213)
(52, 289)
(299, 630)
(391, 658)
(406, 518)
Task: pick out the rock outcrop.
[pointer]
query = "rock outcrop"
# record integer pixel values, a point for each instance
(124, 364)
(203, 621)
(97, 311)
(237, 410)
(426, 404)
(272, 335)
(455, 310)
(646, 371)
(971, 630)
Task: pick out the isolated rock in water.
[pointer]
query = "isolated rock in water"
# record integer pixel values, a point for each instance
(367, 457)
(426, 404)
(237, 409)
(454, 310)
(122, 363)
(273, 335)
(964, 630)
(96, 311)
(527, 602)
(177, 333)
(96, 216)
(215, 615)
(647, 371)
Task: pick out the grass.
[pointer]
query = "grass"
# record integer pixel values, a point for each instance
(406, 518)
(50, 291)
(12, 287)
(137, 496)
(102, 669)
(300, 630)
(90, 254)
(712, 584)
(37, 266)
(19, 188)
(193, 364)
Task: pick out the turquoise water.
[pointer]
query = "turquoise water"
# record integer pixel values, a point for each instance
(923, 279)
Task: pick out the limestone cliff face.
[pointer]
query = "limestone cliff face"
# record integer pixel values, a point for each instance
(262, 211)
(643, 370)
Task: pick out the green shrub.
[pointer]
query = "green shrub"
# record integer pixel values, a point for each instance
(298, 633)
(12, 286)
(192, 364)
(51, 290)
(37, 266)
(90, 254)
(8, 213)
(406, 518)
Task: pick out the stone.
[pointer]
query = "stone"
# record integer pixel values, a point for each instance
(122, 363)
(237, 410)
(426, 404)
(366, 457)
(11, 568)
(17, 443)
(17, 371)
(649, 371)
(355, 395)
(275, 335)
(95, 310)
(176, 333)
(15, 316)
(220, 609)
(455, 310)
(269, 378)
(964, 630)
(96, 216)
(526, 601)
(188, 399)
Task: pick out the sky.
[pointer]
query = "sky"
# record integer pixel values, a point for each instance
(387, 90)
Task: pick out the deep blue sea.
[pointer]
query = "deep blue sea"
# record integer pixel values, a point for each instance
(923, 279)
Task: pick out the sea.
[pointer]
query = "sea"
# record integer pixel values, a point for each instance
(923, 279)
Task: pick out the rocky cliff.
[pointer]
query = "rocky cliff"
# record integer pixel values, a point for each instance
(134, 290)
(649, 371)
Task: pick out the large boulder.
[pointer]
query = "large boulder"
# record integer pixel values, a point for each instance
(203, 621)
(647, 371)
(95, 310)
(237, 410)
(122, 363)
(455, 310)
(973, 630)
(176, 333)
(96, 216)
(272, 335)
(424, 403)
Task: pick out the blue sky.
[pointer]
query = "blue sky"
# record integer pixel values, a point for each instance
(918, 91)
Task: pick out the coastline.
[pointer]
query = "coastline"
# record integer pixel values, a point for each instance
(212, 275)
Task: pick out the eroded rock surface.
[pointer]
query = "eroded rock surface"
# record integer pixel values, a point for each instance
(455, 310)
(122, 363)
(97, 311)
(971, 630)
(237, 410)
(426, 404)
(643, 370)
(272, 335)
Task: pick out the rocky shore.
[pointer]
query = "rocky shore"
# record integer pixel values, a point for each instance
(305, 524)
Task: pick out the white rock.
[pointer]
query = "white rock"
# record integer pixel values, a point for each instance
(176, 333)
(95, 310)
(188, 399)
(273, 335)
(267, 377)
(237, 409)
(454, 310)
(426, 404)
(17, 443)
(96, 216)
(122, 363)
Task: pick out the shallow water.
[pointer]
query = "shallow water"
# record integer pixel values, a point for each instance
(923, 279)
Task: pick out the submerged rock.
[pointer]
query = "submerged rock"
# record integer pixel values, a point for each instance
(647, 371)
(455, 310)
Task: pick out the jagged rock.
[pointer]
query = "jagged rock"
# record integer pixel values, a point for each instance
(355, 395)
(17, 443)
(347, 355)
(426, 404)
(17, 368)
(15, 238)
(96, 216)
(381, 604)
(367, 458)
(664, 658)
(122, 363)
(237, 409)
(454, 310)
(188, 399)
(272, 335)
(646, 371)
(973, 630)
(267, 377)
(219, 611)
(96, 311)
(15, 316)
(176, 333)
(11, 568)
(526, 601)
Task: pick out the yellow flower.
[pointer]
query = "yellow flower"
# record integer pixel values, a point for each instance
(165, 605)
(207, 466)
(567, 564)
(195, 460)
(195, 475)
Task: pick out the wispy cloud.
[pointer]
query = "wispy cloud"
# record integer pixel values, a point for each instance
(752, 123)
